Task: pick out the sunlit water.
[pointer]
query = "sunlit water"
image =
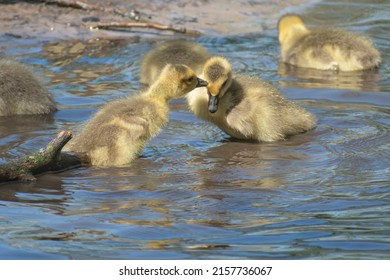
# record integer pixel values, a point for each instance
(195, 193)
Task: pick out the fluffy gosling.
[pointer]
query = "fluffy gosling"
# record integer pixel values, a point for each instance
(245, 107)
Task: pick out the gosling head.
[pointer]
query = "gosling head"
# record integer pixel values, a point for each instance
(182, 77)
(218, 73)
(288, 26)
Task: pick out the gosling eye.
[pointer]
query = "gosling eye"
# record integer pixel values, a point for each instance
(190, 80)
(224, 84)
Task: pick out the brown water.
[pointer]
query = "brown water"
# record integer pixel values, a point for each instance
(195, 193)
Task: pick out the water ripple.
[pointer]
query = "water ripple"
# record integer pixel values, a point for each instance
(195, 193)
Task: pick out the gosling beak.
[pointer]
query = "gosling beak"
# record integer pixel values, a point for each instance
(201, 83)
(213, 103)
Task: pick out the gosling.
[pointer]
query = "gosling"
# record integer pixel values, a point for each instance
(20, 91)
(119, 131)
(245, 107)
(325, 49)
(175, 51)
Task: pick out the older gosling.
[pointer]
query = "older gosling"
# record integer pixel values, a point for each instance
(245, 107)
(175, 51)
(324, 49)
(20, 91)
(119, 131)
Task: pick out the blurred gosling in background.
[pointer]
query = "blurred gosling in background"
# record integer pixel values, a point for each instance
(325, 49)
(175, 51)
(20, 91)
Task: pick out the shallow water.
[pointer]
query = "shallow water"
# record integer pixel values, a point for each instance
(195, 193)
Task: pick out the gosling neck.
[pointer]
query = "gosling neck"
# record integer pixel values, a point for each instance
(162, 90)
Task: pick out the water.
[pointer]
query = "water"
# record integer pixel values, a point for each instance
(195, 193)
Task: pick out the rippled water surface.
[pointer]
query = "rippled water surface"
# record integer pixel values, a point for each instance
(195, 193)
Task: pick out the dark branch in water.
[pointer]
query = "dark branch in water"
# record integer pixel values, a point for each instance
(153, 25)
(48, 159)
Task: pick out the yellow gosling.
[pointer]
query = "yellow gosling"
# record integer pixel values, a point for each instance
(324, 49)
(120, 129)
(245, 107)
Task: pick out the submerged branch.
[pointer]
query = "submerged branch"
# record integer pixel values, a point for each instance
(48, 159)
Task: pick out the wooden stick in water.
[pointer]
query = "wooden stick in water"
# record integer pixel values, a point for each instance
(47, 159)
(153, 25)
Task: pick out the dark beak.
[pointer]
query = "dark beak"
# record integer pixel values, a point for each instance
(213, 103)
(201, 83)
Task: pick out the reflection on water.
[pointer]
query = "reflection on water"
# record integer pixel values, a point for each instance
(90, 65)
(196, 193)
(365, 80)
(20, 134)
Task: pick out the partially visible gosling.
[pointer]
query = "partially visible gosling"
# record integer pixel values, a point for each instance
(120, 129)
(20, 91)
(245, 107)
(175, 51)
(325, 49)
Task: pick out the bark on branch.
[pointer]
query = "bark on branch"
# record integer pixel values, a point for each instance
(153, 25)
(48, 159)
